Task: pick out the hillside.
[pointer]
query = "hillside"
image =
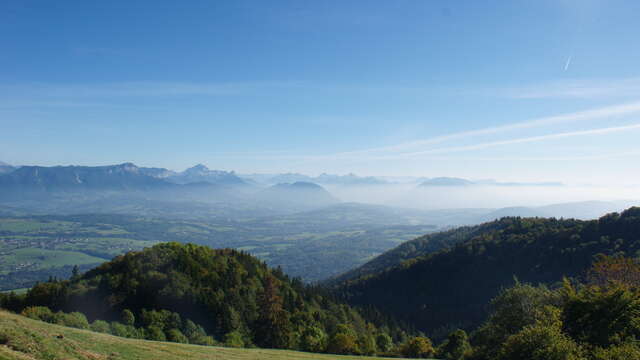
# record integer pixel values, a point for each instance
(231, 295)
(23, 338)
(420, 246)
(451, 287)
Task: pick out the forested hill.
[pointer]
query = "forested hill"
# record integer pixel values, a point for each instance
(412, 249)
(451, 287)
(236, 298)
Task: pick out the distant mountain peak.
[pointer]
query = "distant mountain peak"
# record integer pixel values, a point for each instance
(300, 185)
(446, 181)
(129, 166)
(202, 174)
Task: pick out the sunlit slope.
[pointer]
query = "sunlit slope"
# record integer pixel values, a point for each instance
(24, 338)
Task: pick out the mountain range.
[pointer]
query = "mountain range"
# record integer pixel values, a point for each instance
(126, 188)
(452, 181)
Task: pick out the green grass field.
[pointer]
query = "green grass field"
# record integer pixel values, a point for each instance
(23, 338)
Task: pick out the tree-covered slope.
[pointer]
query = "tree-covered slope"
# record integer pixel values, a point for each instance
(236, 298)
(420, 246)
(451, 287)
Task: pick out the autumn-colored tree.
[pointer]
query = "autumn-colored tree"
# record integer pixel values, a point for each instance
(343, 343)
(272, 328)
(615, 269)
(418, 347)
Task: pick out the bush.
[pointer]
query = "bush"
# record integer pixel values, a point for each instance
(384, 342)
(176, 335)
(155, 333)
(119, 329)
(100, 326)
(203, 340)
(74, 319)
(234, 339)
(41, 313)
(418, 347)
(313, 339)
(456, 347)
(343, 343)
(540, 342)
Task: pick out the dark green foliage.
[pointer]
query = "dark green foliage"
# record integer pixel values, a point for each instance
(74, 319)
(155, 333)
(127, 317)
(596, 321)
(234, 339)
(313, 339)
(626, 351)
(231, 296)
(512, 310)
(100, 326)
(384, 342)
(175, 335)
(456, 347)
(603, 315)
(540, 342)
(451, 287)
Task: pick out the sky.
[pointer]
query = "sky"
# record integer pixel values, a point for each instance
(510, 90)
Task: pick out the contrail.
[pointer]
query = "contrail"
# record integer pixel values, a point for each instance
(566, 65)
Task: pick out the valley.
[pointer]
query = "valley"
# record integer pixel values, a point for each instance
(311, 246)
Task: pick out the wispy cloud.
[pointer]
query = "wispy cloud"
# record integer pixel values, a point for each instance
(137, 89)
(439, 152)
(485, 145)
(592, 114)
(577, 89)
(590, 157)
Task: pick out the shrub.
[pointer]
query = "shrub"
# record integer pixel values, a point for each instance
(342, 343)
(155, 333)
(100, 326)
(313, 339)
(234, 339)
(384, 342)
(456, 347)
(176, 335)
(41, 313)
(74, 319)
(540, 342)
(418, 347)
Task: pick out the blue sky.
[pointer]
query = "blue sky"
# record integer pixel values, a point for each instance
(514, 90)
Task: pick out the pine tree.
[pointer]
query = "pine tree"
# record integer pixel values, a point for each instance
(273, 328)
